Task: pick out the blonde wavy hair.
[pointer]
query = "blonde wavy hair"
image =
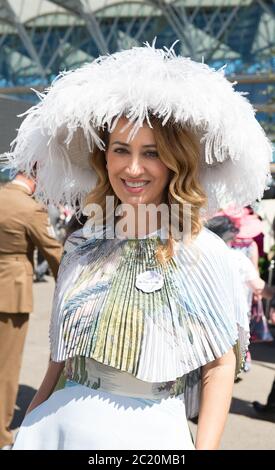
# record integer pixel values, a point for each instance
(179, 150)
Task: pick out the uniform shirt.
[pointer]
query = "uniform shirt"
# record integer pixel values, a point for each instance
(24, 224)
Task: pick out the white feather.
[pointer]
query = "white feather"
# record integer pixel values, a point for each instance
(235, 151)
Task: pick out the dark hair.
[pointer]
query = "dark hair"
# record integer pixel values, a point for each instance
(223, 227)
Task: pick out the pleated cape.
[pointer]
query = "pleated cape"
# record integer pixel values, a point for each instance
(196, 316)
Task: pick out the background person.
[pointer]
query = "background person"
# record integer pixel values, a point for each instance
(24, 225)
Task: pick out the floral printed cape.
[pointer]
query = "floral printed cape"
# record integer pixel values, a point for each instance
(194, 316)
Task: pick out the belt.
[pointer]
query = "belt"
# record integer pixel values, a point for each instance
(86, 371)
(16, 257)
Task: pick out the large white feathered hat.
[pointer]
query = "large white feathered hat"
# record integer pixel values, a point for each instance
(60, 132)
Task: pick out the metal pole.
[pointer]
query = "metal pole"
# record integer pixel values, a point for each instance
(269, 282)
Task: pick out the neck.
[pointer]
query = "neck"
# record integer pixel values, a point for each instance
(140, 225)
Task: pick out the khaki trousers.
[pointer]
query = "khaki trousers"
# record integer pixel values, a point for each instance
(13, 329)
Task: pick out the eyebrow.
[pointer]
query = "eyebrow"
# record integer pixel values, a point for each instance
(128, 145)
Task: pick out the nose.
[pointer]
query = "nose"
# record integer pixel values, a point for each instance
(134, 166)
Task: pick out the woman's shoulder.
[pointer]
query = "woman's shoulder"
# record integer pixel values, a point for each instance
(211, 244)
(207, 255)
(74, 240)
(81, 242)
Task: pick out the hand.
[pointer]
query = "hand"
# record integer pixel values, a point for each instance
(257, 298)
(272, 315)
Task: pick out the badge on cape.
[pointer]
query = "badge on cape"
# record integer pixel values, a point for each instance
(149, 281)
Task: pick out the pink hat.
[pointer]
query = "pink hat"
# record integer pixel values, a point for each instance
(249, 225)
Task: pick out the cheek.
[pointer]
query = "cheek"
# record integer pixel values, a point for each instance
(161, 174)
(114, 164)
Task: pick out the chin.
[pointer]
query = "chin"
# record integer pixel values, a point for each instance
(134, 201)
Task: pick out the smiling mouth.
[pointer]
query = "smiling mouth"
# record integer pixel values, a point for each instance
(135, 184)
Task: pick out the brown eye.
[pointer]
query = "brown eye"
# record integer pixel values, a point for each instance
(152, 153)
(120, 150)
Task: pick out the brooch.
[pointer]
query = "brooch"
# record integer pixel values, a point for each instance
(149, 281)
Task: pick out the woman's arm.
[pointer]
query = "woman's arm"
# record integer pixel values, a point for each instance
(217, 386)
(47, 387)
(254, 255)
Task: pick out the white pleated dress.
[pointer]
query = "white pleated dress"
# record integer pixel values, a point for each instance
(133, 351)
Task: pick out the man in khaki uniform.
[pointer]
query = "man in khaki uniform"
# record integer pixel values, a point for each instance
(24, 224)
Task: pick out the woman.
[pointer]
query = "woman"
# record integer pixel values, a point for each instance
(252, 283)
(145, 320)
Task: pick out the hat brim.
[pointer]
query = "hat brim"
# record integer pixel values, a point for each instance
(234, 163)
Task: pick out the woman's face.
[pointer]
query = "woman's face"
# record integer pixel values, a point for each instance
(136, 173)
